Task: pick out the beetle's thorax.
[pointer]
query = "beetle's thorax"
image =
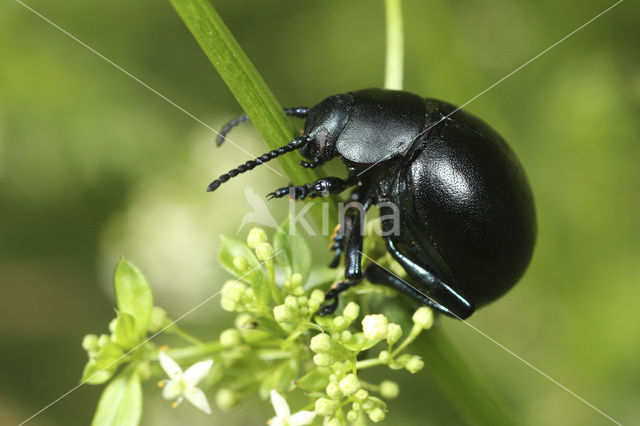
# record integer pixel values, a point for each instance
(382, 125)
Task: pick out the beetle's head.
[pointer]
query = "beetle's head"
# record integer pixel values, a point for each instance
(322, 129)
(324, 125)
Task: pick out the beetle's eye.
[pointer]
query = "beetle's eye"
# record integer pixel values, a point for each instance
(322, 140)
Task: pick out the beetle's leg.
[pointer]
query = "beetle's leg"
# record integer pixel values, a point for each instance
(299, 112)
(376, 274)
(358, 195)
(332, 295)
(442, 296)
(351, 243)
(320, 188)
(336, 245)
(311, 164)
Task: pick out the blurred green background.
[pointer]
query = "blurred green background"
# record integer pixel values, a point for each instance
(93, 165)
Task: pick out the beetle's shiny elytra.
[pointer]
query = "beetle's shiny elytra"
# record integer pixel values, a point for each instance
(467, 218)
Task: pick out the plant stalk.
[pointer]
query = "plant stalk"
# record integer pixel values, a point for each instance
(395, 45)
(248, 87)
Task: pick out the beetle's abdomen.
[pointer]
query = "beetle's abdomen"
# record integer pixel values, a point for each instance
(474, 205)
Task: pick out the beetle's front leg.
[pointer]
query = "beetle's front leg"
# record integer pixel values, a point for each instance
(320, 188)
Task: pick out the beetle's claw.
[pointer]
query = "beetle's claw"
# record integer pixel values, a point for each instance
(330, 308)
(336, 259)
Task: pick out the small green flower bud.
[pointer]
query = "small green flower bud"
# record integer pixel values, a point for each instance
(375, 327)
(351, 311)
(352, 416)
(297, 291)
(340, 323)
(144, 370)
(346, 336)
(395, 333)
(286, 284)
(249, 296)
(228, 305)
(313, 305)
(112, 325)
(302, 300)
(333, 390)
(317, 295)
(291, 302)
(334, 422)
(384, 356)
(90, 343)
(255, 237)
(233, 290)
(349, 385)
(243, 321)
(361, 395)
(376, 415)
(356, 406)
(158, 319)
(296, 280)
(240, 263)
(264, 252)
(322, 360)
(320, 343)
(414, 364)
(402, 360)
(284, 313)
(226, 399)
(103, 339)
(423, 317)
(304, 311)
(368, 405)
(232, 293)
(230, 338)
(326, 407)
(389, 389)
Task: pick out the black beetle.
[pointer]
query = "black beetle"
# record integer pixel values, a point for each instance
(467, 223)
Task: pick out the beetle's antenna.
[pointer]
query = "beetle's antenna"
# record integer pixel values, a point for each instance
(296, 143)
(299, 112)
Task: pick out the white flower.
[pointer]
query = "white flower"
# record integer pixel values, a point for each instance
(283, 413)
(182, 385)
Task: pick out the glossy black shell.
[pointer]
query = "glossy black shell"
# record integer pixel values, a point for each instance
(466, 208)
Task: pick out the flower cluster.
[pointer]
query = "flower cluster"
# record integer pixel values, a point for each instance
(277, 346)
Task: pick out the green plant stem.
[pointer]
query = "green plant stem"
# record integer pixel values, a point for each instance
(174, 329)
(247, 86)
(395, 45)
(191, 351)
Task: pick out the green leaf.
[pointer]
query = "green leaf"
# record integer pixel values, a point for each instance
(356, 342)
(253, 274)
(121, 401)
(280, 379)
(103, 364)
(294, 254)
(270, 326)
(125, 331)
(315, 380)
(133, 295)
(109, 353)
(94, 375)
